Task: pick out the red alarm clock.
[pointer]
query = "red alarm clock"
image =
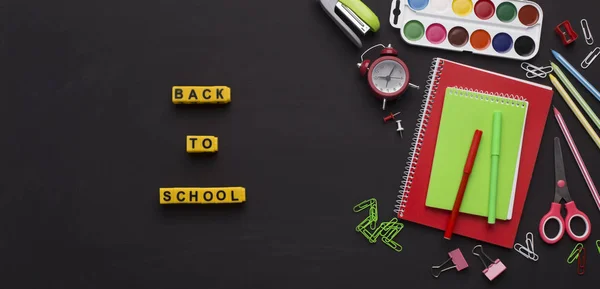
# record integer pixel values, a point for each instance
(388, 75)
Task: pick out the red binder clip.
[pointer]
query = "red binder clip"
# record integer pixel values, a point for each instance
(566, 32)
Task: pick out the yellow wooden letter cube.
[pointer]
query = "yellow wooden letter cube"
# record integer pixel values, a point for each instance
(226, 195)
(202, 144)
(201, 94)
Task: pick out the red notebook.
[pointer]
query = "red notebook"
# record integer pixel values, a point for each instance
(413, 192)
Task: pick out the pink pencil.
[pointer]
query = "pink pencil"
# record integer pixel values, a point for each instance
(580, 163)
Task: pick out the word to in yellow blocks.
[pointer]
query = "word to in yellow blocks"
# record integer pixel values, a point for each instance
(202, 144)
(228, 195)
(201, 94)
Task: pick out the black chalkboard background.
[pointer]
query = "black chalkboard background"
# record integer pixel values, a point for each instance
(90, 135)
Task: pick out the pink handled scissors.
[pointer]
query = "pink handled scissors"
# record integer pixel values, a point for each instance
(561, 192)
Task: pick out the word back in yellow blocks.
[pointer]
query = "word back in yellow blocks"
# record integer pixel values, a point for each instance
(226, 195)
(201, 144)
(201, 94)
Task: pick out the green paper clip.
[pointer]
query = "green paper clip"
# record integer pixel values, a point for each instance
(392, 222)
(376, 234)
(392, 228)
(373, 214)
(364, 224)
(575, 253)
(392, 244)
(365, 232)
(598, 245)
(365, 204)
(383, 227)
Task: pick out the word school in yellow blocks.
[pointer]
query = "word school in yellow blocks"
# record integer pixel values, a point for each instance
(226, 195)
(201, 94)
(201, 144)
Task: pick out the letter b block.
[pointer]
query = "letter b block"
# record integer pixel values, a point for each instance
(201, 144)
(201, 94)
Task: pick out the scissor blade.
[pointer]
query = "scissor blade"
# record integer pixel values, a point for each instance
(559, 174)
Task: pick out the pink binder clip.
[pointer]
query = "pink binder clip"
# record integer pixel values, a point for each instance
(457, 258)
(494, 269)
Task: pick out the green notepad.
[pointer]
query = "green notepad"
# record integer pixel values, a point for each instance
(464, 112)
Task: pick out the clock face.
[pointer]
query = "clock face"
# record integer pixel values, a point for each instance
(388, 76)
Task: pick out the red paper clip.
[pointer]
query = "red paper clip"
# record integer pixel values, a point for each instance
(581, 262)
(566, 32)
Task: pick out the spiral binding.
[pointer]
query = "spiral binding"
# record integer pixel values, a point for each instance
(433, 80)
(506, 99)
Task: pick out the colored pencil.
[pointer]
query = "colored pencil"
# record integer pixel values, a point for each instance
(463, 183)
(576, 94)
(576, 74)
(575, 151)
(576, 111)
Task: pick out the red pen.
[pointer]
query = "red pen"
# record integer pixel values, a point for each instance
(463, 183)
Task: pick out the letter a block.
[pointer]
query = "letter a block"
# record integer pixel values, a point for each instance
(201, 144)
(226, 195)
(201, 94)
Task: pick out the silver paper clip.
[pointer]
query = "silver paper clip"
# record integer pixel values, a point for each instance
(534, 71)
(590, 58)
(457, 259)
(587, 34)
(495, 268)
(527, 251)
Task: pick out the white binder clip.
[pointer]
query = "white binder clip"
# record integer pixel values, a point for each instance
(494, 269)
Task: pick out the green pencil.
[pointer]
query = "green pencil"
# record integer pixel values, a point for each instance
(496, 140)
(563, 78)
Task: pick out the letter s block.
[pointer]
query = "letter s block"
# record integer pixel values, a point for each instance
(201, 94)
(201, 144)
(225, 195)
(167, 196)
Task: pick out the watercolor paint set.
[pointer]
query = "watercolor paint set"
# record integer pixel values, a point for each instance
(502, 28)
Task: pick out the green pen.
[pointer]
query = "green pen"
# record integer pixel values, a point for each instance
(496, 136)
